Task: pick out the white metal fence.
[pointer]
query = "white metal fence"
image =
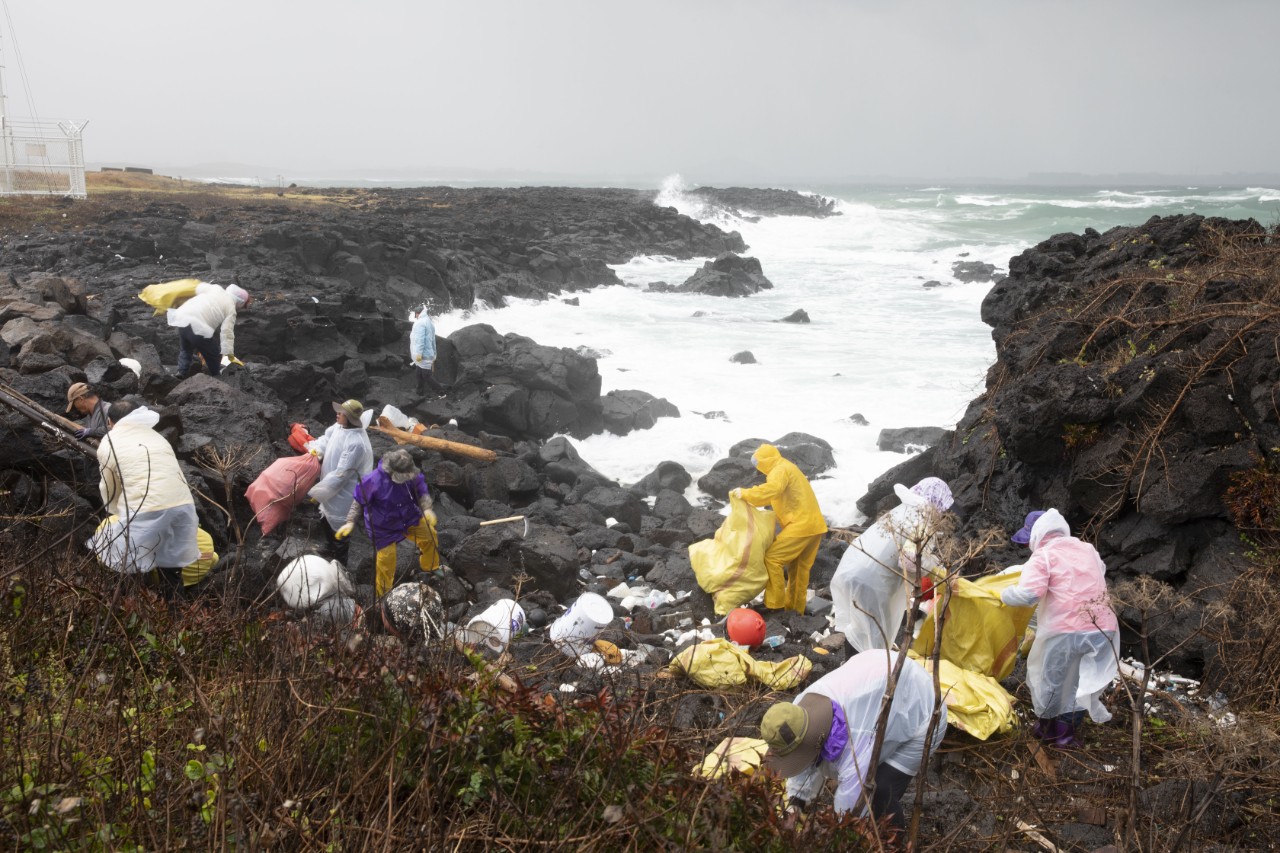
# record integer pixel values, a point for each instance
(42, 158)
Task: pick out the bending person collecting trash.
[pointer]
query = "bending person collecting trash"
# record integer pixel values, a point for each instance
(1074, 657)
(396, 504)
(155, 525)
(83, 400)
(345, 456)
(796, 545)
(829, 730)
(202, 318)
(869, 591)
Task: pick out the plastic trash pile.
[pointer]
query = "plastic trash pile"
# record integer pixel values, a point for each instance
(1187, 693)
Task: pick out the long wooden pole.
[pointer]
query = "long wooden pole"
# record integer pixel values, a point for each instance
(61, 421)
(41, 417)
(401, 436)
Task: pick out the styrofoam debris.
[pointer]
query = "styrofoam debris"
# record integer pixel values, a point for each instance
(568, 688)
(620, 591)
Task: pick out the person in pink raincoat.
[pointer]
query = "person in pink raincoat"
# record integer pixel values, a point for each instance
(1076, 652)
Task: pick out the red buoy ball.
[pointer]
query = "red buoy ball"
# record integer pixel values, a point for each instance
(745, 627)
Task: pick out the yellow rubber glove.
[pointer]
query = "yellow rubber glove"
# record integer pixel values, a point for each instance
(234, 360)
(344, 531)
(429, 517)
(316, 453)
(418, 357)
(735, 493)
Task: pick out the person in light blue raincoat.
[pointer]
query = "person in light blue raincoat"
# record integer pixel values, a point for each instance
(345, 456)
(422, 349)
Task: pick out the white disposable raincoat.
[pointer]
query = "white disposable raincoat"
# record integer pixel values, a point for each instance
(876, 574)
(858, 688)
(1075, 655)
(347, 456)
(144, 488)
(211, 311)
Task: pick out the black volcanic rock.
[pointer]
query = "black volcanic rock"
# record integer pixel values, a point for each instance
(727, 275)
(768, 202)
(897, 440)
(968, 271)
(624, 411)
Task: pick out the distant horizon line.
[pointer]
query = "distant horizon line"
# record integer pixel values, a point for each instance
(270, 175)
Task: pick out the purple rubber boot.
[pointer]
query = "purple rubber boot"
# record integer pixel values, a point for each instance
(1067, 736)
(1044, 729)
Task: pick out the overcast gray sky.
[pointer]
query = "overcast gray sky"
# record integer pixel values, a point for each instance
(717, 90)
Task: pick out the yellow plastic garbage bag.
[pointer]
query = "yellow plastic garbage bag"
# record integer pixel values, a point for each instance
(169, 294)
(743, 754)
(731, 567)
(976, 703)
(981, 634)
(195, 572)
(719, 663)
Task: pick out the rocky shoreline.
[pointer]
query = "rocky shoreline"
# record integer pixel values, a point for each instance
(333, 283)
(1096, 334)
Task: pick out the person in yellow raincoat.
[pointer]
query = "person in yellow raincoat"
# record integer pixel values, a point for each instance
(796, 545)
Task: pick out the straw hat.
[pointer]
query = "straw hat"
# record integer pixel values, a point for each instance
(75, 392)
(353, 409)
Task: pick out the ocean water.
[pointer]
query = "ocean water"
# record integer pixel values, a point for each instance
(879, 343)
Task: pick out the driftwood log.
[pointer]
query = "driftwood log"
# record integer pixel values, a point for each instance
(402, 436)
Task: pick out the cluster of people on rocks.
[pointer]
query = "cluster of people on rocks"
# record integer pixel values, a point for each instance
(152, 528)
(827, 731)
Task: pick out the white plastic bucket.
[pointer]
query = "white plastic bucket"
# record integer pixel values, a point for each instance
(495, 626)
(573, 632)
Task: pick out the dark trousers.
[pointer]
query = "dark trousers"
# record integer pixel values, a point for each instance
(891, 784)
(339, 548)
(189, 343)
(427, 380)
(168, 581)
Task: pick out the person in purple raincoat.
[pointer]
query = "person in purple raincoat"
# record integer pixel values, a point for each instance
(396, 505)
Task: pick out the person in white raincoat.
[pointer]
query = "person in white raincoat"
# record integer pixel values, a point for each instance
(202, 319)
(1076, 652)
(143, 487)
(345, 456)
(828, 731)
(871, 585)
